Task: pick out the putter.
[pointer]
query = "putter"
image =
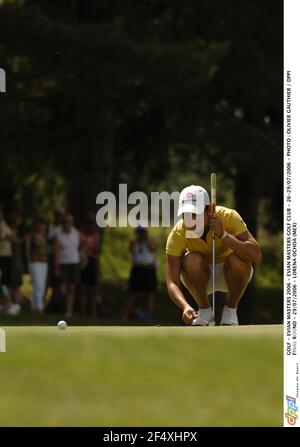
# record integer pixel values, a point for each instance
(213, 198)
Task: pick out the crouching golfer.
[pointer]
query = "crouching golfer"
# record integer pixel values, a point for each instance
(189, 257)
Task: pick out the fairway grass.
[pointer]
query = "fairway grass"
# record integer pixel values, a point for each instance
(142, 376)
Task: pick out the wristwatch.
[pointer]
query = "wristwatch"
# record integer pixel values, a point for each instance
(225, 234)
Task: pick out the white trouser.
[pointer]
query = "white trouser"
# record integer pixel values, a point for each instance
(220, 282)
(220, 285)
(38, 272)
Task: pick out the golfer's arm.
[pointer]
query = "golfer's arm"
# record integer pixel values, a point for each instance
(173, 281)
(245, 246)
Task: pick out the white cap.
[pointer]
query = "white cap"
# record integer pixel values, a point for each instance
(193, 199)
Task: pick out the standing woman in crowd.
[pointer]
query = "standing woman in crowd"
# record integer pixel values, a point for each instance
(5, 250)
(36, 254)
(89, 277)
(143, 273)
(67, 245)
(54, 304)
(17, 269)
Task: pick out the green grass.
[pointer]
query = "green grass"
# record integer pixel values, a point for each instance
(142, 376)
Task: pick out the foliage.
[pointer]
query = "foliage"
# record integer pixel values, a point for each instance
(112, 91)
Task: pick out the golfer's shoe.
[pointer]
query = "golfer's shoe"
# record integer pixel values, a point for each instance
(229, 317)
(204, 317)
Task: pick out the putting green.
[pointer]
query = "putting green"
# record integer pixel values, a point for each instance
(142, 376)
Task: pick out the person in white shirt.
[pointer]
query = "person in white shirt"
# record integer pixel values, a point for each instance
(143, 273)
(67, 245)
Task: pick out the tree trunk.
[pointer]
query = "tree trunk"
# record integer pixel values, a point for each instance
(247, 200)
(92, 164)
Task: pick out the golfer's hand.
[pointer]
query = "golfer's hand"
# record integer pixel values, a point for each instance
(216, 225)
(188, 315)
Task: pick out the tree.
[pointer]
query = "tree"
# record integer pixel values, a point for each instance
(126, 81)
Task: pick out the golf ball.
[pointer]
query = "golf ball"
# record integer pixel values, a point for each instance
(62, 325)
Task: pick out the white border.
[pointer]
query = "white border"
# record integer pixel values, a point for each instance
(292, 63)
(2, 340)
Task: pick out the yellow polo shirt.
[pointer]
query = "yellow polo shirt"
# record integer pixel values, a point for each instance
(178, 244)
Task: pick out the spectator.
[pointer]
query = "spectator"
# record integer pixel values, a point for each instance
(143, 272)
(89, 277)
(6, 304)
(17, 269)
(68, 242)
(54, 227)
(36, 254)
(5, 250)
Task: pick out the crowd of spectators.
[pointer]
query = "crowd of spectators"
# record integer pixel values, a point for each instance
(62, 263)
